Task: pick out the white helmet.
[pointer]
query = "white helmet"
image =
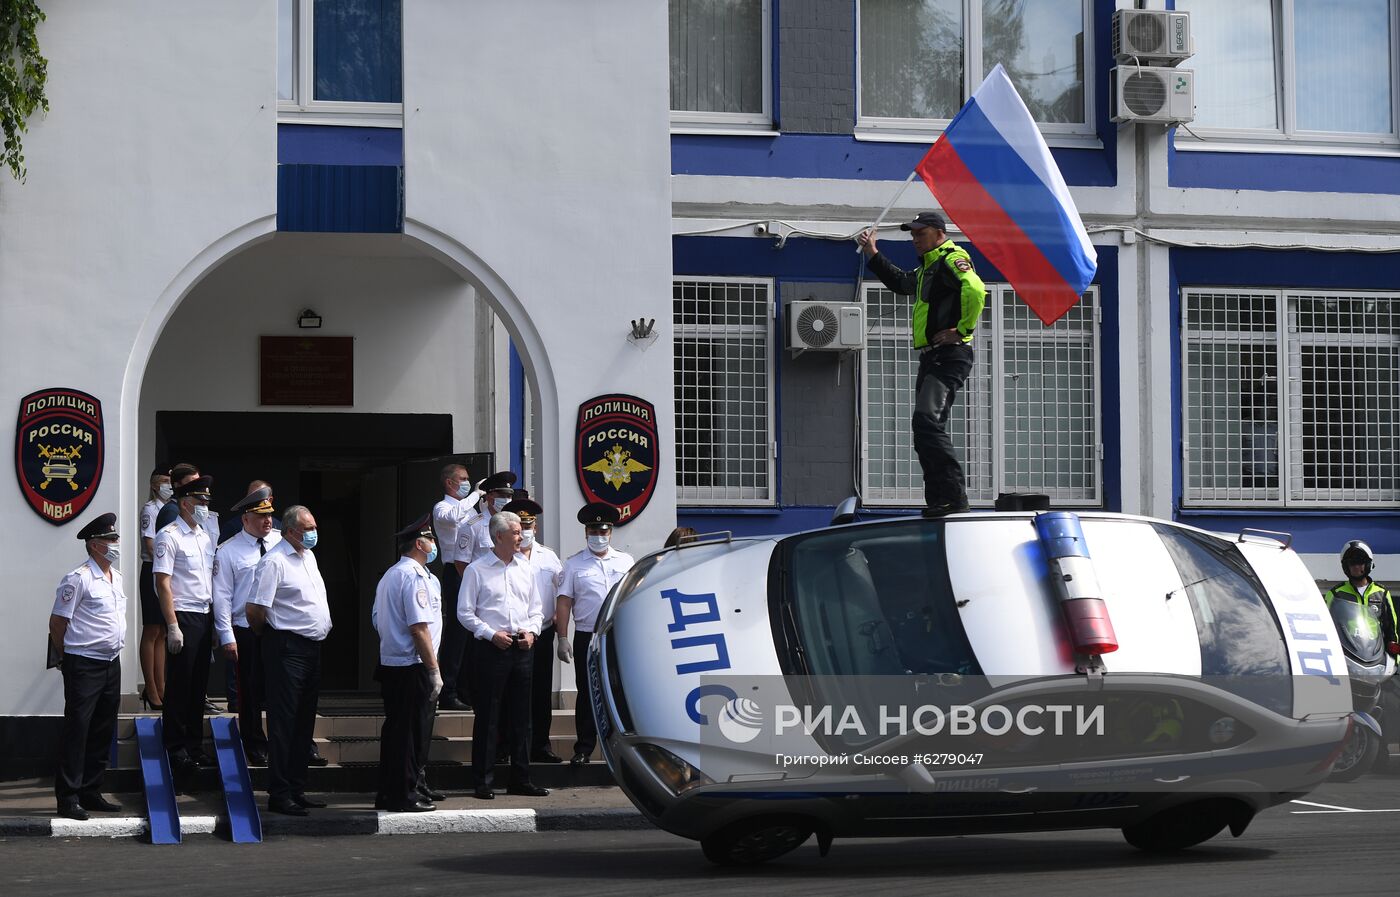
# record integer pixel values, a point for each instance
(1356, 552)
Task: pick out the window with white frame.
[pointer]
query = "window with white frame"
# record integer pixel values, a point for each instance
(1027, 420)
(724, 390)
(340, 62)
(1292, 398)
(720, 64)
(920, 60)
(1299, 71)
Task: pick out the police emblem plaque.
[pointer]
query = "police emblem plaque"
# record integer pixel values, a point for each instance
(616, 453)
(58, 452)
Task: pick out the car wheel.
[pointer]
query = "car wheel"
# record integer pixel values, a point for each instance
(1176, 829)
(1358, 754)
(753, 841)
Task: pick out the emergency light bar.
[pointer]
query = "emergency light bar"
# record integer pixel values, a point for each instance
(1076, 584)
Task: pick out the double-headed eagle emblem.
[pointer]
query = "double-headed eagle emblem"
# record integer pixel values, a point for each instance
(617, 467)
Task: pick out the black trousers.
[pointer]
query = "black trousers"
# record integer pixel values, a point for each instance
(407, 729)
(542, 691)
(293, 667)
(187, 684)
(942, 372)
(585, 727)
(456, 642)
(252, 689)
(502, 680)
(91, 696)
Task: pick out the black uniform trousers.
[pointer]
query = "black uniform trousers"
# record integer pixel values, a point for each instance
(408, 726)
(502, 680)
(456, 642)
(585, 727)
(542, 691)
(292, 664)
(187, 685)
(942, 372)
(91, 696)
(252, 689)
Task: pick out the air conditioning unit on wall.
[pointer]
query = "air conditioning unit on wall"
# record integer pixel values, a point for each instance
(1151, 36)
(1152, 94)
(825, 326)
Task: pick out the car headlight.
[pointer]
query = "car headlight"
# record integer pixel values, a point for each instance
(676, 774)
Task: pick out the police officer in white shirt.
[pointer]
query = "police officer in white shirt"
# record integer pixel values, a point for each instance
(588, 577)
(183, 566)
(549, 573)
(88, 626)
(454, 515)
(496, 493)
(289, 610)
(234, 565)
(408, 616)
(500, 605)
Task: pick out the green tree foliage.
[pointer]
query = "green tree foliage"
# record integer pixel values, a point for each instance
(22, 75)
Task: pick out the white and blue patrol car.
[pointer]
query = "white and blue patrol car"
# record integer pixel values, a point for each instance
(986, 672)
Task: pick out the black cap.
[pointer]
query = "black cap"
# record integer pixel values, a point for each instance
(104, 527)
(526, 508)
(503, 479)
(423, 526)
(521, 492)
(597, 513)
(259, 501)
(926, 219)
(198, 487)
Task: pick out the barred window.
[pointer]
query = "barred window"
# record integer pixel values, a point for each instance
(1326, 365)
(724, 391)
(1028, 423)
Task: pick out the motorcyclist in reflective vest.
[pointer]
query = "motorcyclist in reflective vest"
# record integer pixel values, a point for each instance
(1357, 561)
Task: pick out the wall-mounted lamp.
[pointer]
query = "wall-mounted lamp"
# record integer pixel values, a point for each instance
(309, 320)
(643, 332)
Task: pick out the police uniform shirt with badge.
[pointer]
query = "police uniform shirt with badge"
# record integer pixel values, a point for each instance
(407, 594)
(589, 577)
(548, 569)
(149, 511)
(186, 553)
(234, 565)
(475, 543)
(288, 583)
(95, 608)
(451, 518)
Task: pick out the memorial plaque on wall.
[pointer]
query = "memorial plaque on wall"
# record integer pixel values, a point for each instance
(308, 370)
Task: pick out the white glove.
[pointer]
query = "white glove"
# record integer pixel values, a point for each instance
(435, 674)
(564, 650)
(174, 638)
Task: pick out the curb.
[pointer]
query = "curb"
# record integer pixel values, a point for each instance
(437, 822)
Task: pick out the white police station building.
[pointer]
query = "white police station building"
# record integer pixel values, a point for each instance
(483, 197)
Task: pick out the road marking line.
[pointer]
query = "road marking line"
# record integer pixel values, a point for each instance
(1330, 809)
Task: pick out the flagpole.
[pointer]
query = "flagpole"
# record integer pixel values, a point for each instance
(893, 199)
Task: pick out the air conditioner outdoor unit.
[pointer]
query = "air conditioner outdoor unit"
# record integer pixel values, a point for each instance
(1147, 94)
(825, 326)
(1151, 35)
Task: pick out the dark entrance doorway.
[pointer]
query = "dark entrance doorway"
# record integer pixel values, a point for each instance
(362, 475)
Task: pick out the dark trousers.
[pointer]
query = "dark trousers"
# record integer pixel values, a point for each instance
(91, 695)
(584, 725)
(252, 689)
(408, 724)
(542, 691)
(187, 685)
(293, 667)
(942, 372)
(456, 642)
(502, 680)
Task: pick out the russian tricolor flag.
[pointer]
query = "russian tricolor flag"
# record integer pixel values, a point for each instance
(994, 176)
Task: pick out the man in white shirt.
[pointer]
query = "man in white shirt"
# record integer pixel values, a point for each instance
(453, 515)
(183, 565)
(289, 610)
(234, 565)
(88, 627)
(496, 493)
(549, 573)
(500, 606)
(407, 614)
(588, 577)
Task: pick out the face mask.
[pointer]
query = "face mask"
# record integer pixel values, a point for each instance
(308, 539)
(464, 489)
(432, 555)
(113, 552)
(164, 492)
(498, 503)
(201, 514)
(527, 538)
(598, 543)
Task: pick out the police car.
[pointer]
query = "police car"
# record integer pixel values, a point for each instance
(986, 672)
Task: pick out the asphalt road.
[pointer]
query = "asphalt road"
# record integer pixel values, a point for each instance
(1295, 849)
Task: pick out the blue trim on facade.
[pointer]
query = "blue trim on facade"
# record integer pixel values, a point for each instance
(343, 199)
(517, 415)
(334, 145)
(1284, 171)
(1265, 268)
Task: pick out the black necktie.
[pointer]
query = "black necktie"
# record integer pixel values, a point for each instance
(262, 548)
